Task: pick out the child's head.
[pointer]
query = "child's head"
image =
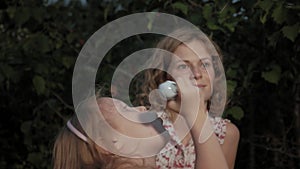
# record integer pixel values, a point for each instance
(75, 149)
(72, 152)
(133, 133)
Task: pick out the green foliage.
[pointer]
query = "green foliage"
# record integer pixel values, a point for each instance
(235, 111)
(39, 84)
(273, 75)
(291, 32)
(181, 6)
(40, 43)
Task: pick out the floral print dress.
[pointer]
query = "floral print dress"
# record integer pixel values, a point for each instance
(176, 155)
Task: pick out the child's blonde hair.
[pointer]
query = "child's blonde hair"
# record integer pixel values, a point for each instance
(72, 152)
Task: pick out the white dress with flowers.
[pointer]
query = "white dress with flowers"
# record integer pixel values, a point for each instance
(175, 154)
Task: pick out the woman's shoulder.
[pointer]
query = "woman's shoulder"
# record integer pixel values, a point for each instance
(232, 133)
(224, 128)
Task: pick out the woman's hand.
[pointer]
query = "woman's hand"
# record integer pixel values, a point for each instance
(188, 102)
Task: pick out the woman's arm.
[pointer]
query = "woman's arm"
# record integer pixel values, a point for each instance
(209, 154)
(230, 145)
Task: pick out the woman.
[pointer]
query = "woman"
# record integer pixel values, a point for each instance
(195, 57)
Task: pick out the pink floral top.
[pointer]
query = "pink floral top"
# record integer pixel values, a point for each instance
(175, 154)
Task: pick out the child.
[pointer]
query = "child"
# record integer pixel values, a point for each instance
(74, 149)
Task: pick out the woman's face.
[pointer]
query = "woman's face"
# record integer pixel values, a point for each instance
(196, 64)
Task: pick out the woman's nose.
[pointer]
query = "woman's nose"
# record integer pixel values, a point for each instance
(197, 73)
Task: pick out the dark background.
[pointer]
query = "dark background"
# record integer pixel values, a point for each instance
(40, 41)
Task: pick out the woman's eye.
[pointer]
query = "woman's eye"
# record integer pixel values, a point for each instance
(205, 64)
(182, 66)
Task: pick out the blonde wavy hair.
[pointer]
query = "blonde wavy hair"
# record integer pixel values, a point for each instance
(71, 152)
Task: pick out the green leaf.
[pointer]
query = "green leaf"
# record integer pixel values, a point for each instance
(106, 12)
(231, 73)
(181, 6)
(226, 14)
(230, 25)
(58, 44)
(236, 112)
(68, 61)
(291, 32)
(212, 26)
(11, 11)
(26, 128)
(231, 85)
(196, 18)
(38, 13)
(10, 73)
(263, 18)
(71, 37)
(279, 14)
(44, 43)
(39, 84)
(272, 76)
(207, 12)
(22, 15)
(265, 5)
(39, 42)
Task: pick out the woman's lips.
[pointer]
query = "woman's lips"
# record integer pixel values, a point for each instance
(200, 85)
